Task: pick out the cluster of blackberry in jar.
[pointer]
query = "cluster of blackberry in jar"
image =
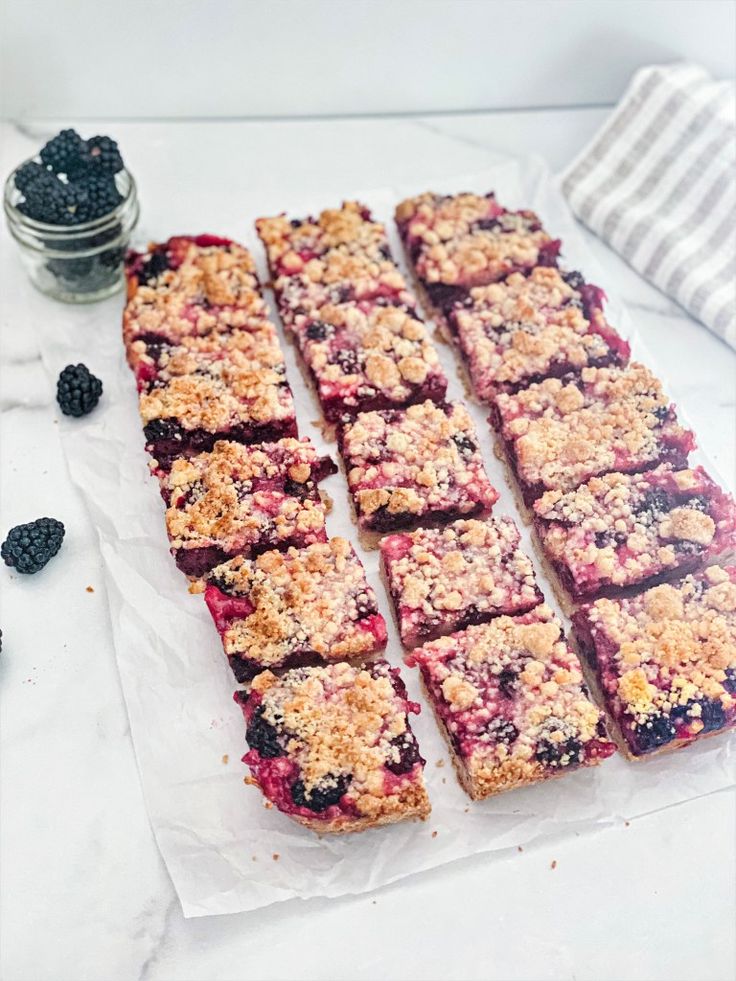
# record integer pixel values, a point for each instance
(73, 183)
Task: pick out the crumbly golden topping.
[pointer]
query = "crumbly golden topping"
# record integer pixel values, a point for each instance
(421, 459)
(235, 494)
(671, 646)
(392, 348)
(340, 720)
(519, 328)
(175, 315)
(349, 228)
(219, 382)
(511, 695)
(436, 574)
(621, 528)
(564, 432)
(311, 600)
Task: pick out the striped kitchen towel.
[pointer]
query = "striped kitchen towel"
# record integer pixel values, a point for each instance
(658, 184)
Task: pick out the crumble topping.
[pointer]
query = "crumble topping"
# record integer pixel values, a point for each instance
(341, 725)
(219, 390)
(314, 600)
(529, 326)
(290, 244)
(237, 495)
(439, 577)
(667, 657)
(564, 431)
(511, 696)
(469, 239)
(620, 528)
(418, 460)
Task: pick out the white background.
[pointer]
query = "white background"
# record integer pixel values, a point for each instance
(187, 58)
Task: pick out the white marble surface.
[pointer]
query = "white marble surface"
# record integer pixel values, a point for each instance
(83, 892)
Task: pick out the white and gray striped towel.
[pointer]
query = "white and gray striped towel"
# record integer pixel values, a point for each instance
(658, 184)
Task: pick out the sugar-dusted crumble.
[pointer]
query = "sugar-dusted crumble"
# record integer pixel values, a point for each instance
(444, 579)
(511, 700)
(295, 607)
(332, 748)
(621, 530)
(242, 500)
(527, 328)
(560, 432)
(665, 659)
(407, 467)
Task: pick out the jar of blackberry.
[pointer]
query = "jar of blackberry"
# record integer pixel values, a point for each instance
(72, 210)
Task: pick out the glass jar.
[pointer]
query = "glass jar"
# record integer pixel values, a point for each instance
(78, 263)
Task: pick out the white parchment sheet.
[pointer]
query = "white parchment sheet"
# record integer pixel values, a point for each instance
(217, 838)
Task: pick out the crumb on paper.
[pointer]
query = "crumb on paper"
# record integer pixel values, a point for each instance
(553, 863)
(275, 856)
(627, 824)
(440, 763)
(519, 848)
(444, 780)
(254, 858)
(268, 805)
(467, 810)
(196, 587)
(90, 589)
(434, 834)
(225, 758)
(250, 781)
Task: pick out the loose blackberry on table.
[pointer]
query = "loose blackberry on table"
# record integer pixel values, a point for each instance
(30, 546)
(77, 391)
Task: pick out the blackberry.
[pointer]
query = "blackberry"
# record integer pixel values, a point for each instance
(77, 390)
(507, 682)
(408, 754)
(29, 174)
(159, 430)
(650, 735)
(153, 267)
(103, 155)
(502, 731)
(656, 502)
(295, 488)
(730, 682)
(364, 606)
(317, 331)
(348, 360)
(65, 154)
(567, 752)
(712, 715)
(29, 547)
(324, 795)
(574, 280)
(466, 446)
(486, 225)
(48, 199)
(94, 197)
(262, 736)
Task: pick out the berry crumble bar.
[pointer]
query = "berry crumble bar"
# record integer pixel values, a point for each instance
(528, 328)
(510, 698)
(455, 242)
(190, 285)
(414, 466)
(302, 606)
(444, 579)
(292, 244)
(622, 530)
(665, 660)
(558, 433)
(242, 500)
(332, 748)
(230, 386)
(367, 355)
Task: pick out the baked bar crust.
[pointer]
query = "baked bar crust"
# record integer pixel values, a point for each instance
(665, 660)
(243, 500)
(445, 579)
(415, 466)
(558, 433)
(510, 698)
(331, 746)
(623, 530)
(301, 606)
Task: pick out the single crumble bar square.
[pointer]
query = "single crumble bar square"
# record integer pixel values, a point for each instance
(665, 660)
(368, 355)
(528, 328)
(420, 465)
(463, 240)
(243, 500)
(558, 433)
(190, 285)
(623, 530)
(297, 607)
(332, 748)
(445, 579)
(230, 386)
(292, 244)
(511, 700)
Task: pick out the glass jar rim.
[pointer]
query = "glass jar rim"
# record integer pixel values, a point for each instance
(17, 218)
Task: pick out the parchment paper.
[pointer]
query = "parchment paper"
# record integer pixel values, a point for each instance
(216, 837)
